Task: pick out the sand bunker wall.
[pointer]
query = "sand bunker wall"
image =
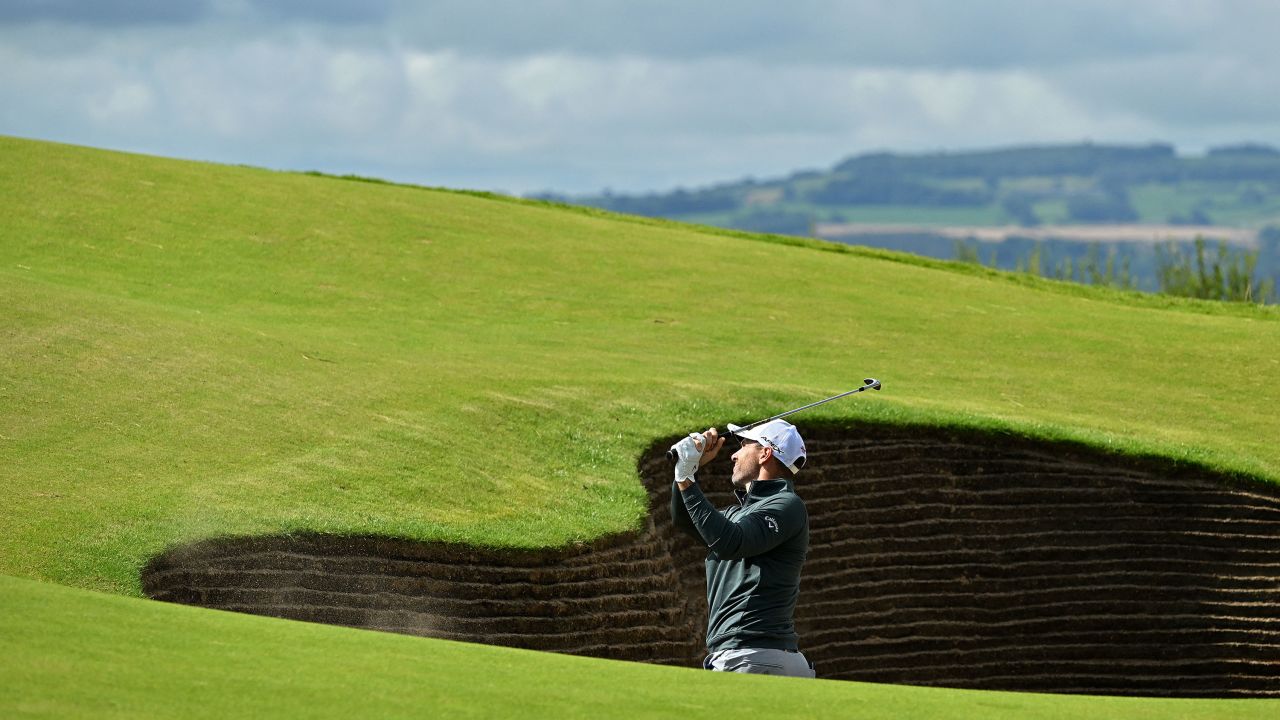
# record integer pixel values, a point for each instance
(952, 559)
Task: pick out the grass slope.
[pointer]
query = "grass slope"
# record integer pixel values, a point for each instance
(192, 350)
(72, 653)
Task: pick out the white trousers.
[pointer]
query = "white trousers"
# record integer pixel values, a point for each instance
(760, 661)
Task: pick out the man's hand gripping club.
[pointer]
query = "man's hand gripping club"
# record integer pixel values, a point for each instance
(693, 452)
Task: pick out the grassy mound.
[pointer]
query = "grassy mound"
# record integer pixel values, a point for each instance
(192, 351)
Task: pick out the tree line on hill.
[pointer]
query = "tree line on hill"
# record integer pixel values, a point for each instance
(1196, 269)
(1094, 181)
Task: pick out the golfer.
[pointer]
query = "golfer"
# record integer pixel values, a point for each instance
(755, 548)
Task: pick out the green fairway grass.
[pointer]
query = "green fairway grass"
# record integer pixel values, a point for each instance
(190, 350)
(71, 653)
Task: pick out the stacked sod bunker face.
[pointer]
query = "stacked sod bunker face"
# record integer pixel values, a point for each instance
(945, 558)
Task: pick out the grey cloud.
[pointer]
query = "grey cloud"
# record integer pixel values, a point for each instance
(936, 33)
(1192, 89)
(939, 34)
(326, 11)
(933, 33)
(113, 12)
(557, 121)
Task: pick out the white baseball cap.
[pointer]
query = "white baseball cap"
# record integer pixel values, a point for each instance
(782, 437)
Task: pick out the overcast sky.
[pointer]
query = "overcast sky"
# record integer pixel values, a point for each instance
(581, 95)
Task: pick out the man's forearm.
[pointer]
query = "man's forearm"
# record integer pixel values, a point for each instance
(679, 513)
(710, 525)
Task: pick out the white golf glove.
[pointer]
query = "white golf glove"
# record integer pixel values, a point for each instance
(688, 453)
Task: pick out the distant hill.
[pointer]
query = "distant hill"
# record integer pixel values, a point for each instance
(1066, 195)
(1233, 186)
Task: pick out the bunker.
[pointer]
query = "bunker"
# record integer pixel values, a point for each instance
(938, 557)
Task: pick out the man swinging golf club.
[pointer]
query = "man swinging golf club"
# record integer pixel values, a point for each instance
(755, 549)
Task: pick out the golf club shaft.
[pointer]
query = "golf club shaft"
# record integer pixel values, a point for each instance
(779, 416)
(869, 383)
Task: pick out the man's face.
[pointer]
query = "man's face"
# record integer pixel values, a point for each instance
(746, 463)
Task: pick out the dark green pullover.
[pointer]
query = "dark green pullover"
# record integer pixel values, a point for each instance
(753, 565)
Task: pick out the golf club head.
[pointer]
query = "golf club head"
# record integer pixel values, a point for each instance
(873, 383)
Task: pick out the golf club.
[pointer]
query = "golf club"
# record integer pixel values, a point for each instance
(867, 384)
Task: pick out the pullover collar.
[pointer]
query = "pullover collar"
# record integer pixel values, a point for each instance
(761, 489)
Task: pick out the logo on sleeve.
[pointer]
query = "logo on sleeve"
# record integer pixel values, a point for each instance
(773, 524)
